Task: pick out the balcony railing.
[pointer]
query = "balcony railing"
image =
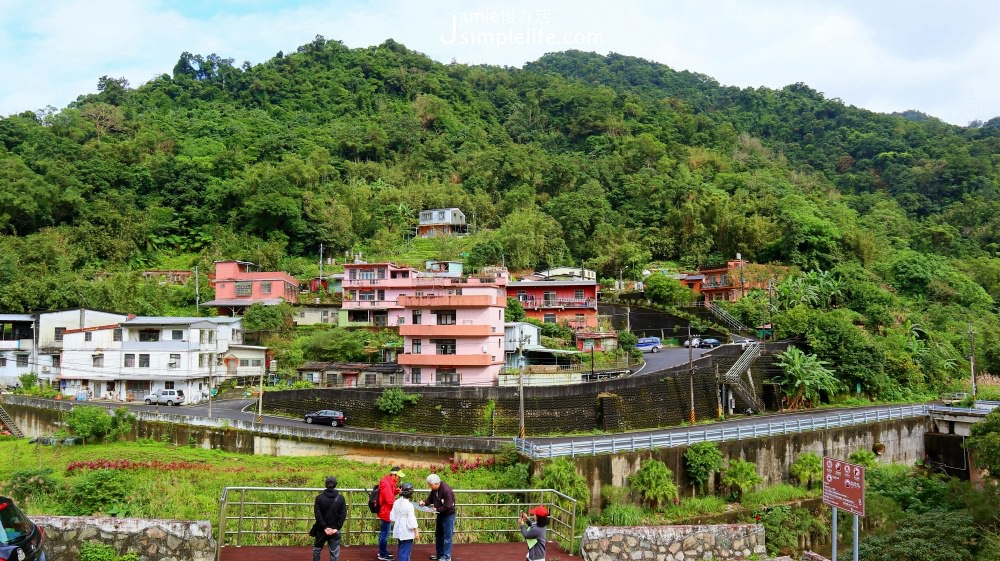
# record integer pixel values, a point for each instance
(477, 359)
(534, 303)
(369, 304)
(449, 331)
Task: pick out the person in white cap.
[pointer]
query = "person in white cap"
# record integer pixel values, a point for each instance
(388, 488)
(442, 500)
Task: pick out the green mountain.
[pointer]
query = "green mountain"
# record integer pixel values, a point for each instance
(611, 161)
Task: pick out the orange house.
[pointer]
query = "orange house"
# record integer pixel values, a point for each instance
(240, 284)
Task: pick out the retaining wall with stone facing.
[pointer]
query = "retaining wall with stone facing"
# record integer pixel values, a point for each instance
(153, 540)
(673, 543)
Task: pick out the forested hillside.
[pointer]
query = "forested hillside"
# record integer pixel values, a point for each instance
(610, 161)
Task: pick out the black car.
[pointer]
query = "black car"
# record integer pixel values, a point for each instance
(326, 416)
(710, 343)
(19, 537)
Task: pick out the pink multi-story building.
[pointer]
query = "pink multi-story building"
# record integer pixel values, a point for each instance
(240, 284)
(452, 327)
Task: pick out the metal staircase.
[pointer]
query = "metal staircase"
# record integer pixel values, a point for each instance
(6, 421)
(726, 318)
(739, 380)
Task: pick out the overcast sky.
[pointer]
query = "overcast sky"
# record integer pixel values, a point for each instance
(939, 57)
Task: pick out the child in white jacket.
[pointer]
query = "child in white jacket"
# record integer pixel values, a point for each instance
(404, 518)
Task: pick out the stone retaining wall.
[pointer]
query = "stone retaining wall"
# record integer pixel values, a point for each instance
(673, 543)
(153, 540)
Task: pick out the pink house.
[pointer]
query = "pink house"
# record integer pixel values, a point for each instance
(240, 284)
(452, 327)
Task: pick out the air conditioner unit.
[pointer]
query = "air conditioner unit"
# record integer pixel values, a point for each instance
(172, 364)
(45, 369)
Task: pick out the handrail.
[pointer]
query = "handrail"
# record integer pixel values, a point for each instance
(734, 376)
(286, 513)
(673, 438)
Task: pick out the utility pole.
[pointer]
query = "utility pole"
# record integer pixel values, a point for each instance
(260, 398)
(691, 372)
(321, 263)
(718, 392)
(197, 295)
(972, 359)
(211, 371)
(521, 433)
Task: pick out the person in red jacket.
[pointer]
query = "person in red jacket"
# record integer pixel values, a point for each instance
(388, 488)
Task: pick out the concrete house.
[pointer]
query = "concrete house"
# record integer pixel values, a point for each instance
(125, 361)
(17, 347)
(441, 222)
(240, 284)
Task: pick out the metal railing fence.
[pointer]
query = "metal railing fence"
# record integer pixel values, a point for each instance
(713, 433)
(282, 516)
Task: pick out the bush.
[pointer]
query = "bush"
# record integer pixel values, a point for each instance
(96, 551)
(561, 475)
(741, 476)
(393, 400)
(783, 525)
(87, 421)
(29, 483)
(702, 460)
(807, 468)
(622, 515)
(98, 492)
(864, 458)
(654, 482)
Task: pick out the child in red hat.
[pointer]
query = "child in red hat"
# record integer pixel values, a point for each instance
(534, 532)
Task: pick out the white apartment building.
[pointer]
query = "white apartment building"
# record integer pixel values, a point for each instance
(17, 347)
(126, 361)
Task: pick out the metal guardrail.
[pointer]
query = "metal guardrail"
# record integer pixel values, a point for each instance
(713, 433)
(726, 317)
(734, 377)
(284, 515)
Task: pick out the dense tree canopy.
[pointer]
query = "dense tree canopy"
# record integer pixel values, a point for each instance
(577, 158)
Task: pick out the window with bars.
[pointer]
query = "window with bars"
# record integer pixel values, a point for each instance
(60, 331)
(244, 288)
(265, 287)
(175, 361)
(446, 377)
(88, 336)
(117, 336)
(129, 360)
(22, 360)
(98, 361)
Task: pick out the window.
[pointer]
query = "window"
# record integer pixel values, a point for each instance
(56, 361)
(144, 361)
(202, 360)
(168, 385)
(175, 361)
(59, 333)
(244, 288)
(417, 314)
(446, 317)
(117, 334)
(244, 362)
(129, 360)
(415, 375)
(265, 287)
(443, 346)
(370, 379)
(549, 298)
(366, 296)
(381, 295)
(206, 336)
(549, 318)
(22, 360)
(177, 334)
(98, 361)
(258, 362)
(440, 215)
(580, 321)
(3, 361)
(416, 346)
(447, 377)
(578, 294)
(390, 379)
(88, 336)
(149, 335)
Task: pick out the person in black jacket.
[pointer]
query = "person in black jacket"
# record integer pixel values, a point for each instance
(442, 500)
(330, 510)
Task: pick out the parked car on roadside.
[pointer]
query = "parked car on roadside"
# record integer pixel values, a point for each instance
(166, 397)
(20, 538)
(326, 417)
(649, 344)
(693, 342)
(709, 343)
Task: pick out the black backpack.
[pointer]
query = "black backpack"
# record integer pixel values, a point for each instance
(373, 502)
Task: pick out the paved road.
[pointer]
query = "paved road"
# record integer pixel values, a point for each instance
(460, 552)
(667, 357)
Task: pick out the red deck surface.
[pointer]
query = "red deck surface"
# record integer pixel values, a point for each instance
(460, 552)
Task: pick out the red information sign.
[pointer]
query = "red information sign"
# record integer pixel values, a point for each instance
(844, 485)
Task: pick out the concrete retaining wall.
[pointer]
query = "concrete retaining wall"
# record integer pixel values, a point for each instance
(153, 540)
(673, 543)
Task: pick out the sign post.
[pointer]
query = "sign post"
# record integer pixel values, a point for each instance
(844, 489)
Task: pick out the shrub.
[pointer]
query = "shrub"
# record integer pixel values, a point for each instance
(28, 483)
(561, 475)
(654, 482)
(87, 421)
(741, 476)
(864, 458)
(121, 423)
(807, 468)
(393, 400)
(622, 515)
(96, 551)
(702, 460)
(98, 492)
(783, 525)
